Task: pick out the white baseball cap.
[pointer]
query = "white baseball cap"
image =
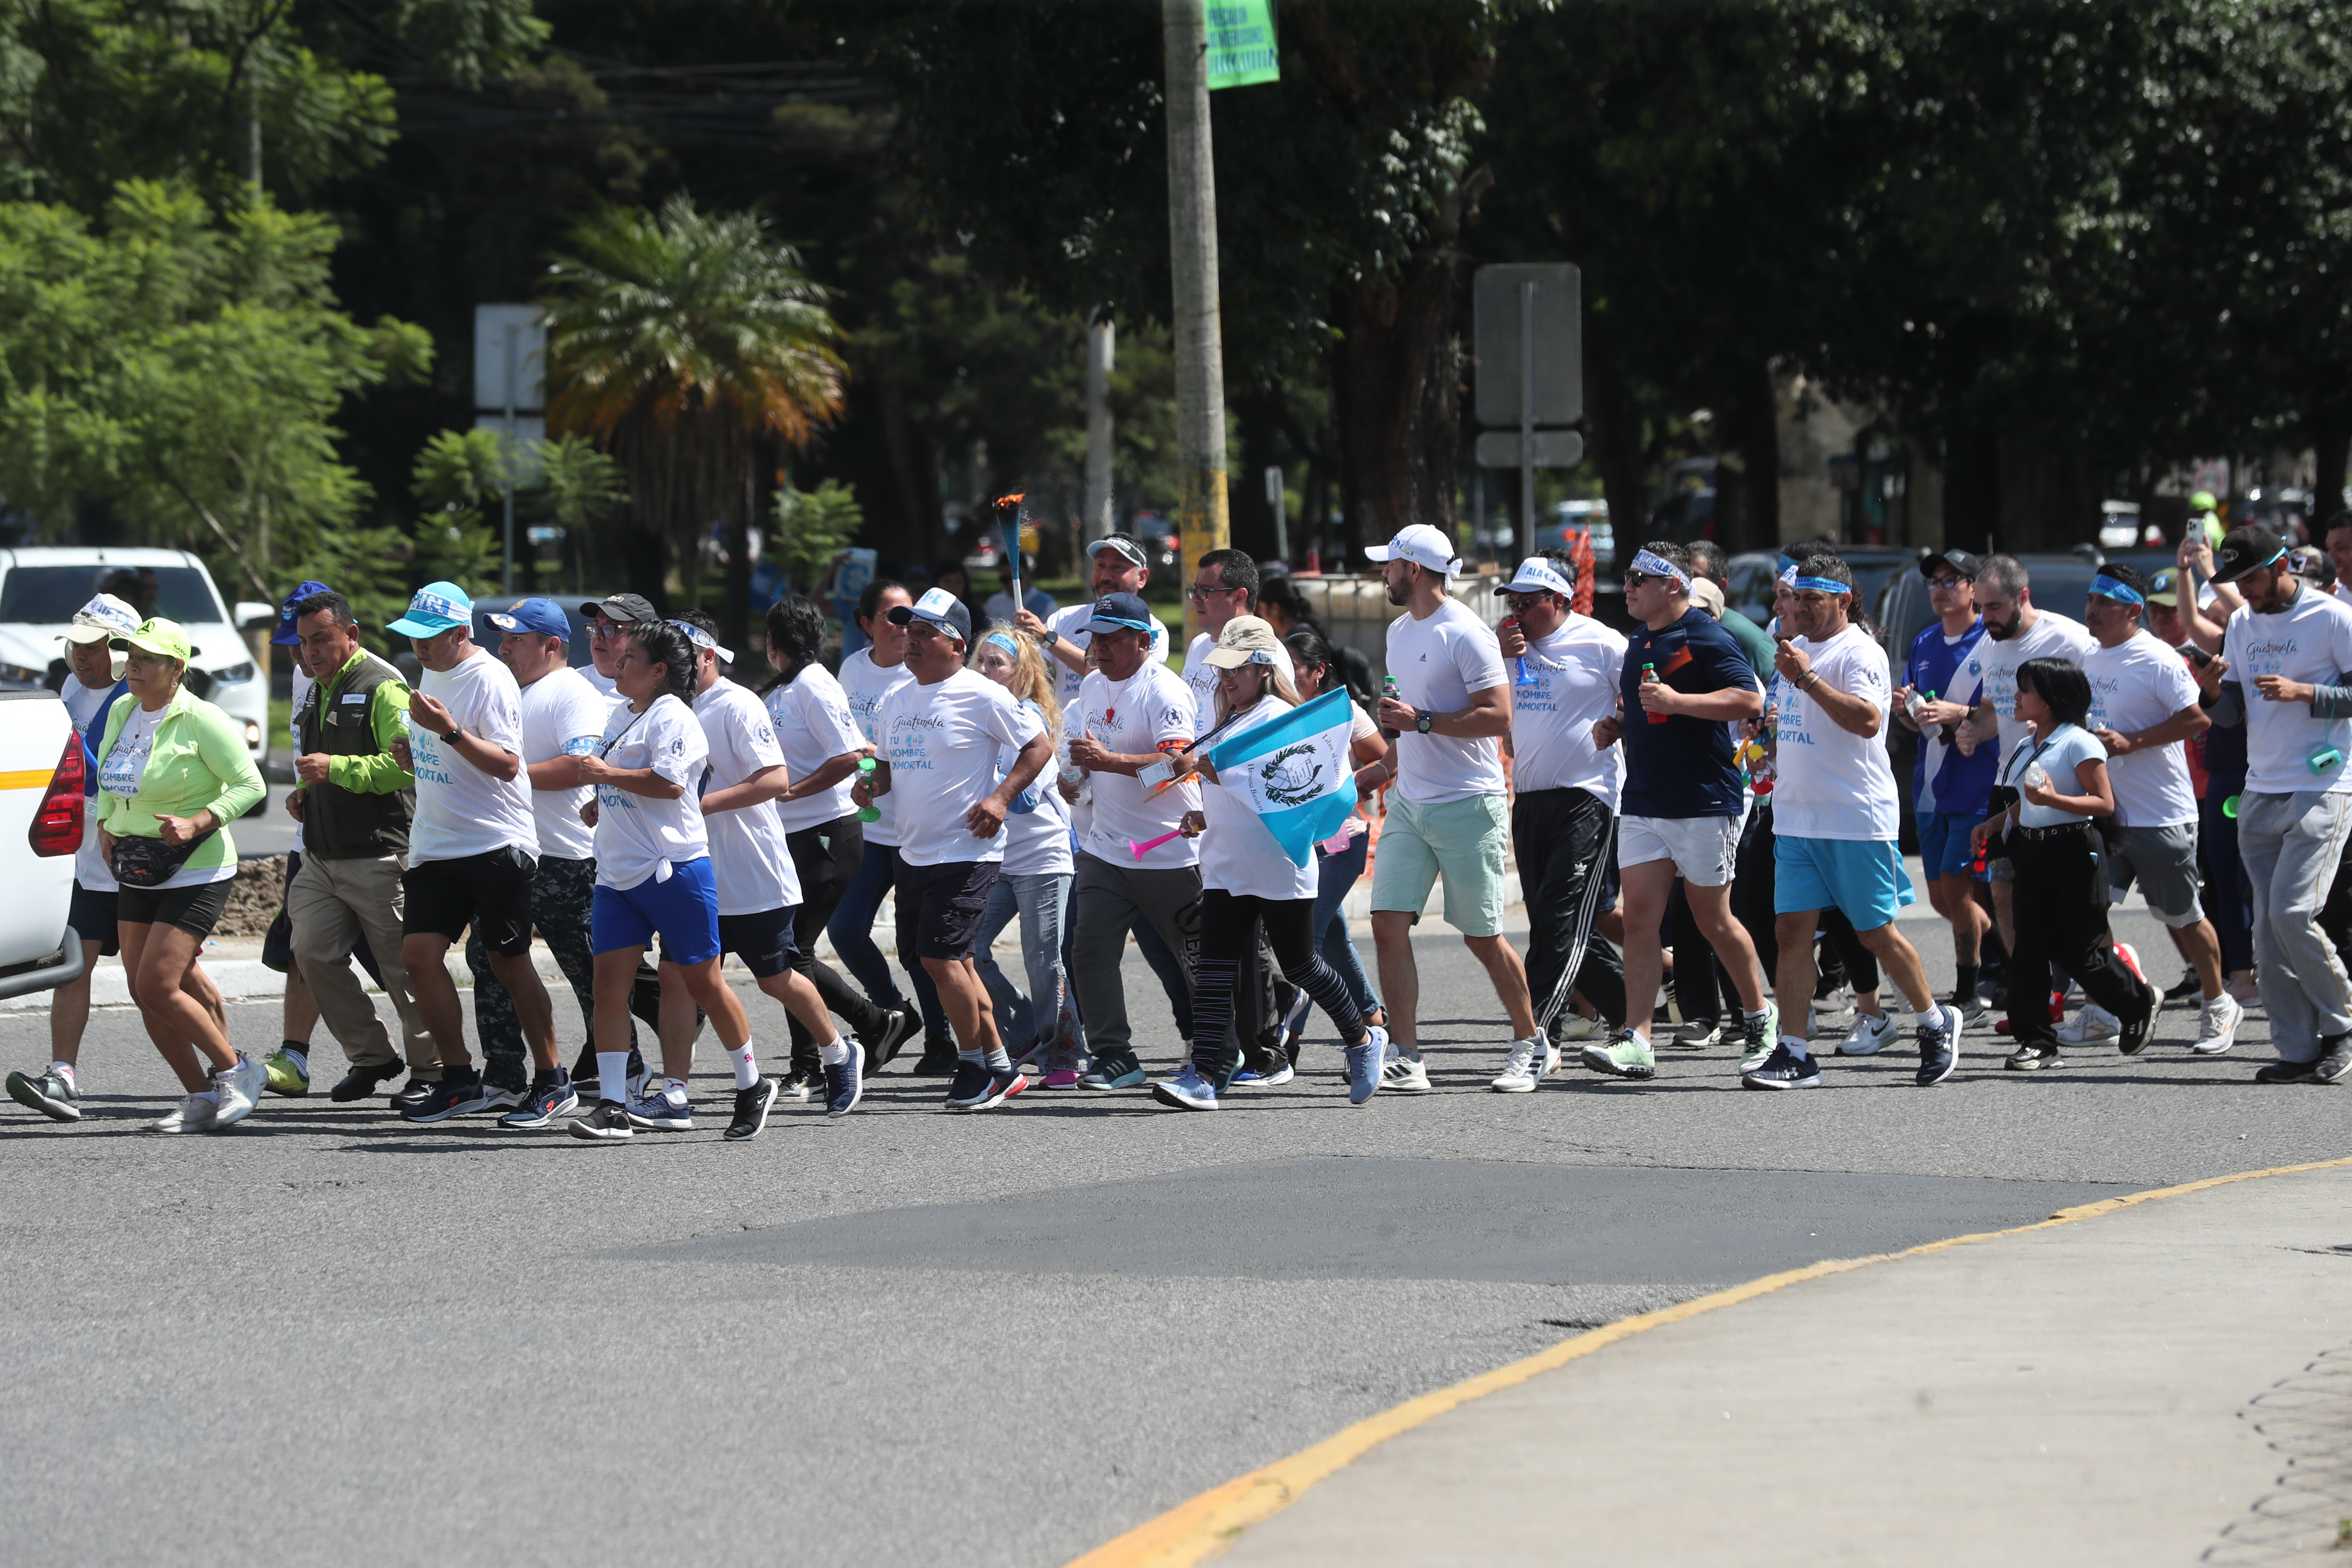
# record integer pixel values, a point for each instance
(1421, 544)
(103, 618)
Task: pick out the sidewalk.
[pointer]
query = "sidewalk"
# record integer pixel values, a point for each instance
(2166, 1382)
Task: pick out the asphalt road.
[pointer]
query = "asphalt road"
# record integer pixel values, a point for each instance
(918, 1338)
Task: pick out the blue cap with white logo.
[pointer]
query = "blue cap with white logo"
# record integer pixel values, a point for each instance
(540, 616)
(286, 636)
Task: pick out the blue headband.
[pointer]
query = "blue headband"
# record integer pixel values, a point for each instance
(1001, 640)
(2107, 587)
(1823, 585)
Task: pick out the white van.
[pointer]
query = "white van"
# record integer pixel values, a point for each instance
(41, 589)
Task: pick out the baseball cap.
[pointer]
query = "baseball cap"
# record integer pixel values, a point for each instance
(1959, 560)
(701, 638)
(434, 609)
(1247, 639)
(1538, 575)
(286, 636)
(1707, 595)
(103, 618)
(157, 635)
(2164, 588)
(1124, 545)
(2202, 501)
(542, 616)
(622, 607)
(1421, 544)
(938, 606)
(1120, 613)
(2245, 549)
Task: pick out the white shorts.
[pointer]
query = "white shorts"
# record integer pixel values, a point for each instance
(1702, 848)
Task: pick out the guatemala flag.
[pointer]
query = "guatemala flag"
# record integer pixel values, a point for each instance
(1295, 772)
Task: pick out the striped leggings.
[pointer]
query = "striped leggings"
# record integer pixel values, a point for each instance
(1229, 928)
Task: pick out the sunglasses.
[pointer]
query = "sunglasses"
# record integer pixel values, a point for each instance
(1530, 599)
(1945, 585)
(1197, 591)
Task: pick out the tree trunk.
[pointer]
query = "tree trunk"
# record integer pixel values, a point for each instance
(1395, 395)
(2327, 425)
(1759, 449)
(1258, 414)
(1615, 424)
(735, 601)
(1972, 490)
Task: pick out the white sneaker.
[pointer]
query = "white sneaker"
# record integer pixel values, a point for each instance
(1404, 1075)
(2217, 1026)
(1526, 1067)
(193, 1114)
(240, 1089)
(1580, 1028)
(1869, 1036)
(2090, 1026)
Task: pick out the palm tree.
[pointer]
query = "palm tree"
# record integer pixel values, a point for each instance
(688, 343)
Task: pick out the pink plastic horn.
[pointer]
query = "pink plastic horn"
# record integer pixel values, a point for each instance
(1143, 849)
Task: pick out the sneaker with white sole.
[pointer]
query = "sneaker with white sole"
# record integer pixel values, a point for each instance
(1870, 1035)
(1939, 1044)
(48, 1091)
(607, 1122)
(1785, 1069)
(1401, 1074)
(1188, 1090)
(1364, 1065)
(240, 1089)
(1759, 1038)
(1694, 1038)
(665, 1110)
(2217, 1026)
(1627, 1056)
(195, 1114)
(2093, 1026)
(1578, 1027)
(1529, 1061)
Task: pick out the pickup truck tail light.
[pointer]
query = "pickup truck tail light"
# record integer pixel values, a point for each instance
(57, 825)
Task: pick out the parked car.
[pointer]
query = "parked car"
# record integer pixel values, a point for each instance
(41, 815)
(1588, 517)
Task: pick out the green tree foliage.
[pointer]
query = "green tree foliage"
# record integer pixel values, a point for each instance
(458, 476)
(813, 527)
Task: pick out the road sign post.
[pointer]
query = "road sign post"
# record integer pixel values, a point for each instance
(1529, 335)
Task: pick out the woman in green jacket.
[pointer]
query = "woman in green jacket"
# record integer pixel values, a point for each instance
(172, 773)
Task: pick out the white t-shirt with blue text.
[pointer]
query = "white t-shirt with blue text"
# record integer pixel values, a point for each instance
(942, 741)
(637, 836)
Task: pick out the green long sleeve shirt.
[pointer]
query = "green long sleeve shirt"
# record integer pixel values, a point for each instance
(380, 774)
(197, 761)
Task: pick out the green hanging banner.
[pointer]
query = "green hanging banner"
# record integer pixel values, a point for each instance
(1241, 43)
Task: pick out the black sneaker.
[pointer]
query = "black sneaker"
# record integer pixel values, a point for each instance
(415, 1093)
(939, 1059)
(801, 1082)
(1940, 1047)
(2134, 1033)
(461, 1092)
(844, 1084)
(608, 1123)
(544, 1106)
(363, 1079)
(752, 1109)
(2287, 1072)
(900, 1022)
(1785, 1069)
(2336, 1062)
(2033, 1058)
(2186, 986)
(971, 1088)
(1974, 1013)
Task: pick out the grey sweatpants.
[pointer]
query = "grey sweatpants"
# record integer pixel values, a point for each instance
(1106, 901)
(2291, 844)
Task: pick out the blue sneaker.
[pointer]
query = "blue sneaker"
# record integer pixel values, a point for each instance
(845, 1084)
(544, 1105)
(1785, 1069)
(1188, 1090)
(969, 1089)
(448, 1098)
(1364, 1065)
(664, 1110)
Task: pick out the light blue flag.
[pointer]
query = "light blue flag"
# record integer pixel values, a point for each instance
(1295, 772)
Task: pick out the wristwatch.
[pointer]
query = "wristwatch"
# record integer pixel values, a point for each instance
(452, 736)
(1425, 722)
(1051, 637)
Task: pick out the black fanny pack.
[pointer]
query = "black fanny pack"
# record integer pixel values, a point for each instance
(145, 862)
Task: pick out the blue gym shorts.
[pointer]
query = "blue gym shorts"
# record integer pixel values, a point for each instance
(1862, 879)
(1945, 849)
(682, 908)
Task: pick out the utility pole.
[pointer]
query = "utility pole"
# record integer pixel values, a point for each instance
(1102, 338)
(1201, 510)
(507, 468)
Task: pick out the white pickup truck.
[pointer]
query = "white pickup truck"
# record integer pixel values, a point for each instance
(41, 807)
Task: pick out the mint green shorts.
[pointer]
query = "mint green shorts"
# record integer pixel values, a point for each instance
(1459, 840)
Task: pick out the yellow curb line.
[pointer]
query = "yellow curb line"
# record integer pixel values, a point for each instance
(1207, 1525)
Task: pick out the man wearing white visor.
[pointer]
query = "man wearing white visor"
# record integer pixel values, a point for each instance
(1115, 564)
(1445, 819)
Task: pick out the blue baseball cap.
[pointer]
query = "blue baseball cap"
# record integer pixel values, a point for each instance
(286, 636)
(540, 616)
(437, 607)
(1120, 613)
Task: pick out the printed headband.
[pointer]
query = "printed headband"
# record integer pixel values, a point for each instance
(1001, 640)
(2107, 587)
(1823, 585)
(1651, 565)
(1789, 574)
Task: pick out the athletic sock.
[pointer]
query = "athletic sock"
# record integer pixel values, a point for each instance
(1966, 984)
(976, 1059)
(613, 1077)
(746, 1064)
(66, 1071)
(999, 1060)
(833, 1055)
(676, 1086)
(1932, 1018)
(211, 1094)
(1796, 1047)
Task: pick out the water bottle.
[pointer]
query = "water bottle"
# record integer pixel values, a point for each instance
(1915, 702)
(1520, 676)
(1389, 688)
(2036, 776)
(865, 771)
(1648, 678)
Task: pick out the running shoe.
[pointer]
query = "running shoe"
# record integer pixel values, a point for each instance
(2188, 985)
(1870, 1035)
(844, 1084)
(1785, 1069)
(2092, 1026)
(1060, 1077)
(363, 1081)
(415, 1092)
(1116, 1069)
(2246, 992)
(1005, 1085)
(1973, 1011)
(665, 1110)
(2217, 1026)
(1940, 1046)
(939, 1059)
(1404, 1075)
(898, 1023)
(1530, 1061)
(608, 1123)
(970, 1088)
(193, 1114)
(1294, 1023)
(1275, 1076)
(1695, 1037)
(751, 1108)
(2285, 1072)
(1188, 1090)
(801, 1083)
(2335, 1063)
(1364, 1065)
(2134, 1032)
(51, 1094)
(450, 1098)
(2031, 1058)
(1759, 1038)
(1574, 1026)
(1627, 1056)
(240, 1089)
(2130, 955)
(289, 1075)
(501, 1098)
(545, 1104)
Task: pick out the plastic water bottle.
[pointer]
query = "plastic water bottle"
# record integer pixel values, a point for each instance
(1915, 702)
(865, 771)
(2036, 776)
(1389, 688)
(1650, 678)
(1520, 676)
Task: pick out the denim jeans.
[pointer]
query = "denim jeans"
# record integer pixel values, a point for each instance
(1041, 900)
(1338, 874)
(852, 930)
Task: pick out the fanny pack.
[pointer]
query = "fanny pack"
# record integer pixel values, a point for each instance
(142, 862)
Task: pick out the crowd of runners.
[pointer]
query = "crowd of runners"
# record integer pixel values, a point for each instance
(1701, 807)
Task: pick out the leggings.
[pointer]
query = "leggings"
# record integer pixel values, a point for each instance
(827, 858)
(1230, 927)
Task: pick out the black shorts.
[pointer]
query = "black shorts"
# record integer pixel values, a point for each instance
(763, 940)
(940, 907)
(193, 909)
(491, 891)
(92, 915)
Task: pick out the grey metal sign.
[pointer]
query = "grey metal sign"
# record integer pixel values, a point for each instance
(1554, 449)
(1502, 333)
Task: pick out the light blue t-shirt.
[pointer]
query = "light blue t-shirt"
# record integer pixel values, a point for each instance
(2069, 746)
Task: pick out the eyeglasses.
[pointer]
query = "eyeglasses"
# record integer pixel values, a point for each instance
(605, 631)
(1530, 599)
(1197, 591)
(1945, 585)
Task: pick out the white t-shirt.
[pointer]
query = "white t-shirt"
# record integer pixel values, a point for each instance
(1830, 782)
(1238, 855)
(943, 743)
(814, 725)
(1038, 843)
(865, 684)
(1201, 676)
(1438, 662)
(460, 809)
(91, 869)
(1132, 718)
(1082, 812)
(1573, 676)
(2138, 686)
(2310, 641)
(601, 681)
(1071, 621)
(2343, 594)
(749, 860)
(636, 836)
(2050, 637)
(563, 716)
